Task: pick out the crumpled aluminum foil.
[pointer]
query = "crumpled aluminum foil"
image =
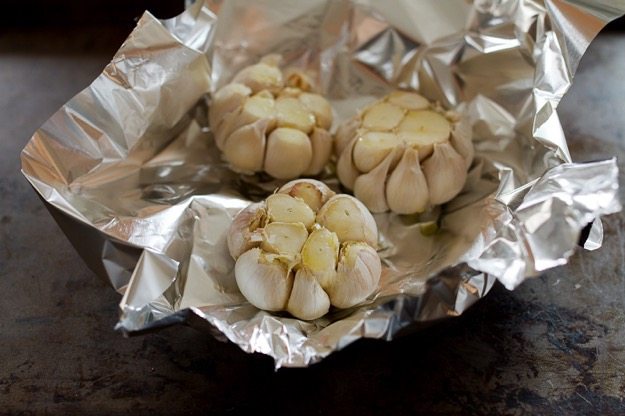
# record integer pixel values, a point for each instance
(129, 170)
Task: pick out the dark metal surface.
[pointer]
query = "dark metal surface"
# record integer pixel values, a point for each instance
(554, 346)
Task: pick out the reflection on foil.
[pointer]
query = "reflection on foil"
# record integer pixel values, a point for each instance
(130, 172)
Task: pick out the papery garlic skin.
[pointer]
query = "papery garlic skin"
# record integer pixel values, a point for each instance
(269, 120)
(404, 154)
(305, 249)
(308, 300)
(264, 280)
(358, 274)
(243, 235)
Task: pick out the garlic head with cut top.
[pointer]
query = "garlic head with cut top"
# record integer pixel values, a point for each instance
(305, 249)
(404, 153)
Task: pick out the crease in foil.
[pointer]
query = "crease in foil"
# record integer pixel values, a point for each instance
(129, 170)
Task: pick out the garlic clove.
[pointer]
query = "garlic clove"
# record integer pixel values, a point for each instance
(290, 92)
(445, 173)
(370, 187)
(284, 238)
(261, 106)
(227, 99)
(407, 189)
(244, 224)
(382, 117)
(345, 168)
(349, 219)
(297, 78)
(264, 281)
(320, 107)
(289, 153)
(308, 300)
(423, 149)
(424, 128)
(244, 149)
(285, 208)
(272, 59)
(321, 142)
(225, 127)
(408, 100)
(292, 113)
(461, 140)
(314, 193)
(320, 254)
(261, 76)
(345, 134)
(357, 276)
(372, 148)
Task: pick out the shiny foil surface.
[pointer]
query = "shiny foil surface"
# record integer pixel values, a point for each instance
(129, 169)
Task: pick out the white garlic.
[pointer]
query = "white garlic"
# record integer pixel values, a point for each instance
(345, 168)
(261, 76)
(294, 139)
(261, 106)
(320, 254)
(349, 219)
(265, 281)
(320, 107)
(407, 188)
(445, 173)
(424, 129)
(321, 141)
(372, 148)
(382, 117)
(308, 300)
(292, 113)
(298, 79)
(241, 234)
(285, 208)
(293, 260)
(461, 141)
(245, 147)
(408, 100)
(345, 134)
(226, 100)
(370, 187)
(434, 147)
(357, 276)
(284, 238)
(314, 193)
(289, 153)
(226, 126)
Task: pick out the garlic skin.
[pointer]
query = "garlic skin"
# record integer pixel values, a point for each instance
(308, 300)
(358, 274)
(242, 235)
(264, 281)
(370, 186)
(407, 188)
(305, 249)
(445, 173)
(404, 153)
(269, 120)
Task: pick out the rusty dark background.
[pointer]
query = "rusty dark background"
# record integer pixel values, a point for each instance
(555, 346)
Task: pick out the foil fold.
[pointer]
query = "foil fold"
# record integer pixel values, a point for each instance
(129, 170)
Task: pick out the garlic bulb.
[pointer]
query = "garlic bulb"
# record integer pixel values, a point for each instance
(305, 249)
(404, 154)
(267, 120)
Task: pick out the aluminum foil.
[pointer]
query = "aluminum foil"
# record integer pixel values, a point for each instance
(129, 169)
